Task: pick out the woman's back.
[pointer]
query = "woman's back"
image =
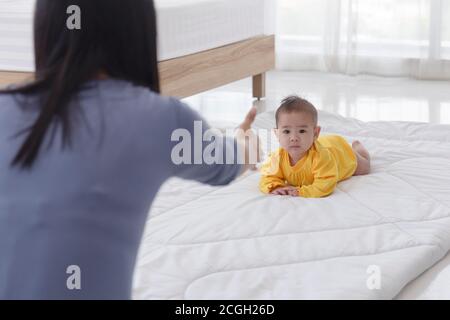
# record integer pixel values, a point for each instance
(86, 206)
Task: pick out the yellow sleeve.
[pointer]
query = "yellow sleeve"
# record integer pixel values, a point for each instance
(271, 174)
(325, 172)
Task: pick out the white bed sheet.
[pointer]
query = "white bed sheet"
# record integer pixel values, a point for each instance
(184, 27)
(233, 242)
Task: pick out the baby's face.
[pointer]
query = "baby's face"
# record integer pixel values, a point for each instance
(296, 133)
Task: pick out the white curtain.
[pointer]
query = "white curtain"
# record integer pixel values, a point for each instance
(382, 37)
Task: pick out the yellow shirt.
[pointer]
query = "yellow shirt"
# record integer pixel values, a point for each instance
(329, 160)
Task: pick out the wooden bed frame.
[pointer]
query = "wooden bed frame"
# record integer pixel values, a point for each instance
(188, 75)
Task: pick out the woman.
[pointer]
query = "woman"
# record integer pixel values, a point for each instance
(84, 149)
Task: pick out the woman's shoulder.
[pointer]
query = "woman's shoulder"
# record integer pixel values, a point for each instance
(135, 98)
(152, 100)
(15, 101)
(6, 98)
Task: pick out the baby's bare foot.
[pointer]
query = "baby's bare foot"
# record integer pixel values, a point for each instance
(360, 149)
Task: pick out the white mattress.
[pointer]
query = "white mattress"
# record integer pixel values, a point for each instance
(233, 242)
(189, 26)
(184, 27)
(16, 35)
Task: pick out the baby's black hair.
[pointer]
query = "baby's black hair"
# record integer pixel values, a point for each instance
(296, 104)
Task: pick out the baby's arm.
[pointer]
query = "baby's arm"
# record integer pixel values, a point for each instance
(271, 174)
(286, 191)
(325, 173)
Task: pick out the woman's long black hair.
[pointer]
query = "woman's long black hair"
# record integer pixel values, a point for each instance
(117, 37)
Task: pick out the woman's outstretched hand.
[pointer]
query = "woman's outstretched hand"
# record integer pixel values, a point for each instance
(249, 141)
(249, 119)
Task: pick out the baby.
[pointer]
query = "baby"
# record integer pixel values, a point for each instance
(307, 165)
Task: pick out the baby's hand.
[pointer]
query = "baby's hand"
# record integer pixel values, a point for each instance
(286, 191)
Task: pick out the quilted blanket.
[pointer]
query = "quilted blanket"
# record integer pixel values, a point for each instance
(369, 239)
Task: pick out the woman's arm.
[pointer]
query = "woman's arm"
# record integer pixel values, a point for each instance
(205, 155)
(248, 142)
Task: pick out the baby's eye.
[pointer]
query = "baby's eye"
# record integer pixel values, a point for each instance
(286, 131)
(302, 131)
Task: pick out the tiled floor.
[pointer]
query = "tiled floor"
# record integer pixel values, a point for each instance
(366, 98)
